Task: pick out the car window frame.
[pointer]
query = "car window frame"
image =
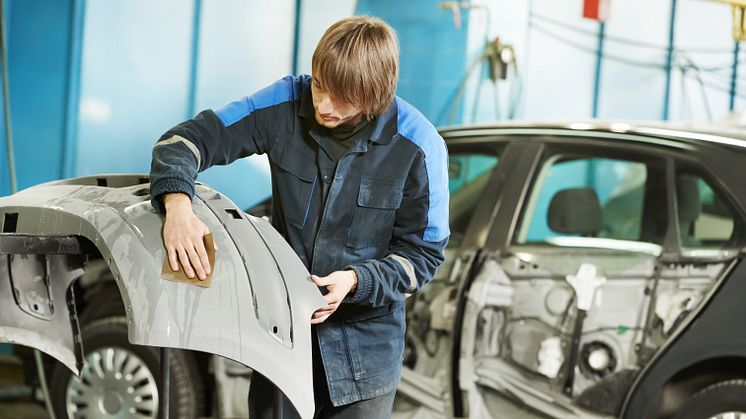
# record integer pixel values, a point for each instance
(545, 146)
(546, 165)
(713, 181)
(506, 151)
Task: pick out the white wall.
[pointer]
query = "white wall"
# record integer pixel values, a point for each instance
(558, 77)
(244, 46)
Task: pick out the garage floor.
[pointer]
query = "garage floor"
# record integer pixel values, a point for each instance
(22, 410)
(11, 375)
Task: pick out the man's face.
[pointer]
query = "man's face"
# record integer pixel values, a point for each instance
(331, 111)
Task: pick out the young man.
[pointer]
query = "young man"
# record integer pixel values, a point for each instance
(359, 189)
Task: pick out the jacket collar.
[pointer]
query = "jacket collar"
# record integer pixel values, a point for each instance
(384, 126)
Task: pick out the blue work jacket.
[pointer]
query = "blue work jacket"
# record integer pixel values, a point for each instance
(385, 215)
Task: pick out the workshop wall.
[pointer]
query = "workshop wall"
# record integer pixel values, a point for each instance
(433, 53)
(94, 83)
(134, 81)
(557, 54)
(241, 50)
(37, 37)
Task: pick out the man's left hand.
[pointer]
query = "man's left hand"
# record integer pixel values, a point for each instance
(338, 284)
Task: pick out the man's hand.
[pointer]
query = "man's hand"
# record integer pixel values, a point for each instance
(183, 236)
(339, 284)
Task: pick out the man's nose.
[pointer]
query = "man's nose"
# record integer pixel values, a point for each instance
(325, 105)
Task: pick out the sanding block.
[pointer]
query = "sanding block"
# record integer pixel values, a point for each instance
(180, 276)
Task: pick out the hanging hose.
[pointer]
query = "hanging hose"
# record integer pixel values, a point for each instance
(43, 381)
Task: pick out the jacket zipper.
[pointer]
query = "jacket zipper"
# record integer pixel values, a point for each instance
(323, 216)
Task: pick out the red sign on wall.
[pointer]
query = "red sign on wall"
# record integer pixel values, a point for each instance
(596, 9)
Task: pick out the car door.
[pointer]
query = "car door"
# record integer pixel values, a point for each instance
(476, 175)
(700, 365)
(554, 313)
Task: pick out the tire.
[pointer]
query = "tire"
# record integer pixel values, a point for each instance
(113, 363)
(716, 400)
(101, 302)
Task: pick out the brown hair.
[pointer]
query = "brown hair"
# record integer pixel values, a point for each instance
(357, 60)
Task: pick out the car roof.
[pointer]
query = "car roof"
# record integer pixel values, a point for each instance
(729, 136)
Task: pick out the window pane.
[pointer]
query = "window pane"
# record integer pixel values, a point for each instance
(468, 175)
(704, 218)
(586, 197)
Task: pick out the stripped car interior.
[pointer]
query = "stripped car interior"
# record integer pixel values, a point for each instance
(566, 288)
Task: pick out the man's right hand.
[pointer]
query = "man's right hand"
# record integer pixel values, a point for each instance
(183, 236)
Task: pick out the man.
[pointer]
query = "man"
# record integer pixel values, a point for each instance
(360, 191)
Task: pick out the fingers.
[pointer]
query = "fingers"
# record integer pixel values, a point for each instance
(173, 259)
(332, 298)
(204, 261)
(320, 319)
(206, 231)
(183, 237)
(184, 260)
(322, 313)
(196, 263)
(328, 307)
(321, 281)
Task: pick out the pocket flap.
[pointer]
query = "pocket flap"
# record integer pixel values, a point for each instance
(360, 313)
(379, 194)
(292, 161)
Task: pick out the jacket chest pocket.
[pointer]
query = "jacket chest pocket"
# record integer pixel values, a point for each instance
(295, 175)
(374, 215)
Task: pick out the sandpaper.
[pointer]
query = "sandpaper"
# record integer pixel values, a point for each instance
(180, 275)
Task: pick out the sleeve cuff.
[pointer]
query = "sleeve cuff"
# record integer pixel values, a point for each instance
(169, 185)
(364, 285)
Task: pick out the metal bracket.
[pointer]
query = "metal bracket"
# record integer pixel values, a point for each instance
(75, 324)
(29, 279)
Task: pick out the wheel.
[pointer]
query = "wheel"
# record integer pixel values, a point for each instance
(723, 400)
(104, 302)
(122, 380)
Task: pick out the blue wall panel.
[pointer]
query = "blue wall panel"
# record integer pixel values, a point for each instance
(38, 61)
(134, 81)
(316, 17)
(433, 51)
(235, 60)
(5, 188)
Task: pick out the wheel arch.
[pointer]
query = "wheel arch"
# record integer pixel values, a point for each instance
(685, 383)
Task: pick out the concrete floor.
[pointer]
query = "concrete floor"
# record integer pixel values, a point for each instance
(11, 376)
(25, 410)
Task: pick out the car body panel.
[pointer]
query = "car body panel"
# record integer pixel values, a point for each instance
(703, 338)
(256, 312)
(51, 331)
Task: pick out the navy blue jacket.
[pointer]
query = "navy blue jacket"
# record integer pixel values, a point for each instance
(385, 216)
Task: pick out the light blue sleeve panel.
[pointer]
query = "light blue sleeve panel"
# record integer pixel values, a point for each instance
(413, 126)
